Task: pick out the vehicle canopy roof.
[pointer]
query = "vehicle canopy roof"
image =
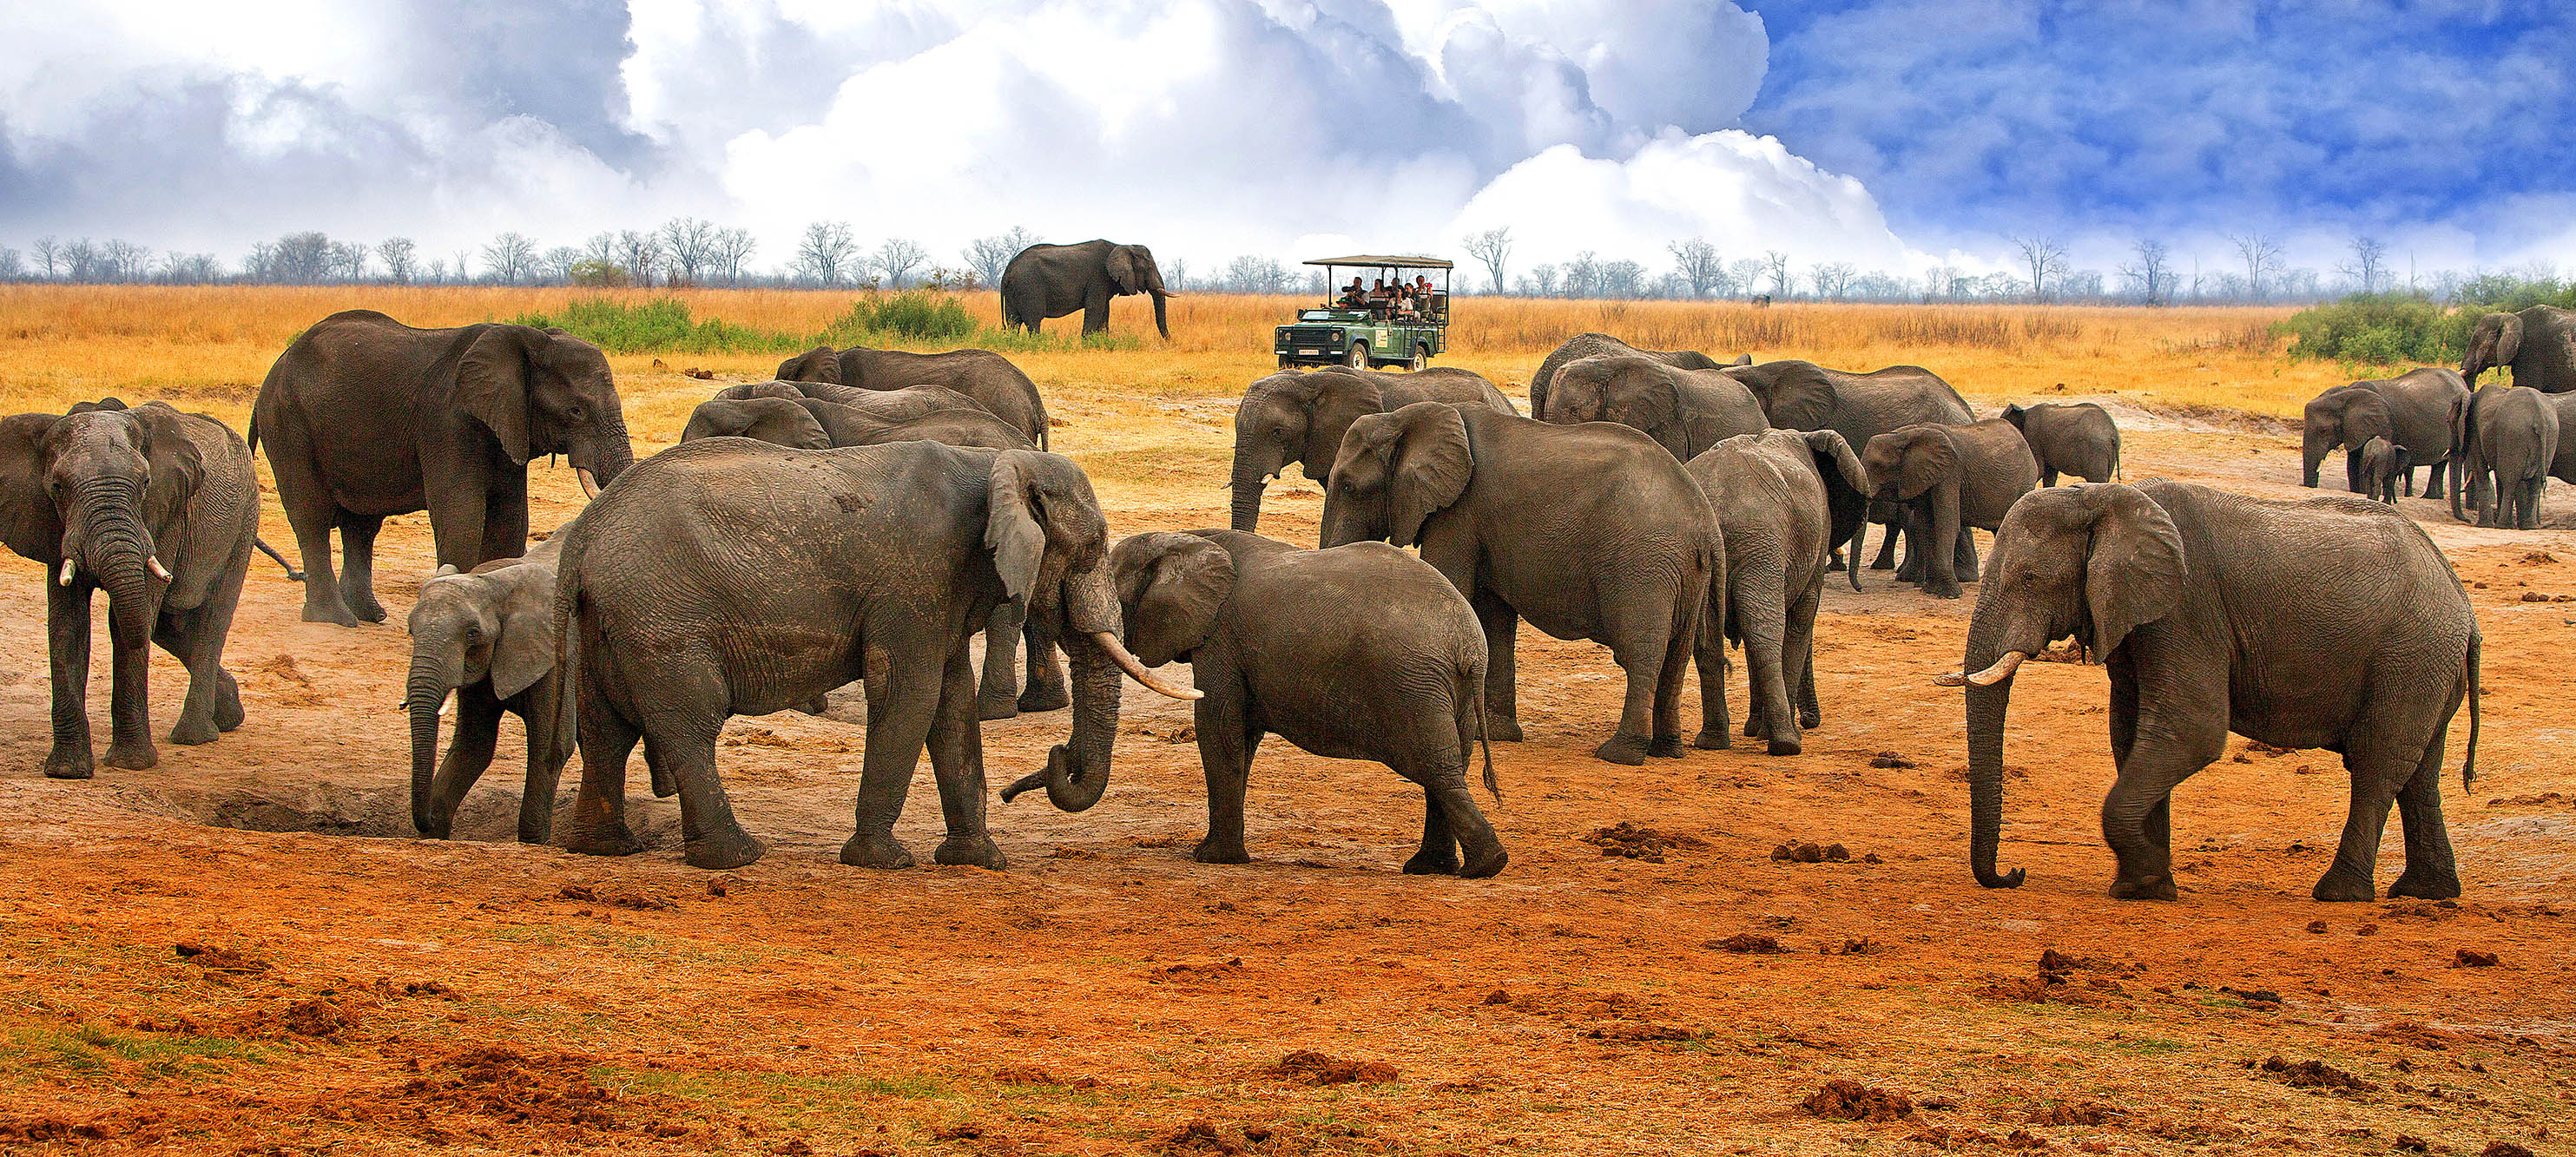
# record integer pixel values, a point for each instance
(1386, 262)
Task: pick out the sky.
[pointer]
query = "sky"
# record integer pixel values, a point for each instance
(1891, 134)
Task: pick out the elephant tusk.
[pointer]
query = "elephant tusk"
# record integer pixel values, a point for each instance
(2002, 670)
(1136, 670)
(589, 484)
(66, 579)
(159, 570)
(447, 705)
(1950, 679)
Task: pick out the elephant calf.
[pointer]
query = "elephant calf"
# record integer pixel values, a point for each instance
(2383, 467)
(487, 637)
(1774, 495)
(2077, 438)
(1357, 652)
(1947, 479)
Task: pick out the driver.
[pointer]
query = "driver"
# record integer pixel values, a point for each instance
(1354, 297)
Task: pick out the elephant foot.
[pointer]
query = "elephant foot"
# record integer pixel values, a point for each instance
(730, 848)
(1502, 729)
(1002, 706)
(1882, 564)
(70, 763)
(1942, 590)
(875, 850)
(970, 852)
(1712, 739)
(228, 708)
(192, 731)
(1629, 750)
(1789, 746)
(1212, 852)
(1485, 862)
(818, 705)
(1753, 724)
(1809, 720)
(1666, 747)
(606, 838)
(329, 614)
(131, 756)
(2336, 888)
(2441, 885)
(368, 609)
(1429, 863)
(2144, 888)
(1043, 697)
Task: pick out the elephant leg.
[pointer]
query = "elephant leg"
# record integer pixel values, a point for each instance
(1456, 837)
(903, 699)
(1226, 743)
(1438, 855)
(1095, 312)
(598, 820)
(2377, 777)
(228, 708)
(1940, 564)
(67, 626)
(1045, 689)
(505, 520)
(545, 774)
(2172, 738)
(129, 702)
(1764, 626)
(957, 765)
(1916, 527)
(1798, 651)
(2529, 518)
(358, 577)
(478, 731)
(1639, 639)
(179, 632)
(2432, 480)
(310, 511)
(684, 741)
(1000, 696)
(2352, 471)
(2048, 476)
(1963, 562)
(1678, 642)
(458, 506)
(1709, 656)
(2430, 874)
(1502, 631)
(1886, 559)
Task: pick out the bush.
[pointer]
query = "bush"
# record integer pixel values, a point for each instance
(912, 317)
(661, 325)
(2379, 329)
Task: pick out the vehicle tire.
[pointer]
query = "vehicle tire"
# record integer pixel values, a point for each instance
(1421, 358)
(1286, 361)
(1359, 357)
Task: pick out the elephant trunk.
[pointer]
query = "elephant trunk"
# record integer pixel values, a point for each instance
(605, 455)
(1851, 553)
(1077, 772)
(424, 693)
(1986, 707)
(108, 539)
(1251, 477)
(1162, 324)
(2312, 454)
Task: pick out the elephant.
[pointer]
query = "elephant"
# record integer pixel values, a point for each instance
(894, 404)
(1687, 411)
(486, 637)
(987, 377)
(1772, 494)
(1584, 345)
(2538, 342)
(2414, 411)
(2382, 466)
(733, 577)
(366, 417)
(1044, 281)
(1948, 479)
(2509, 441)
(2331, 622)
(1357, 652)
(1797, 395)
(158, 508)
(1292, 417)
(1589, 532)
(2077, 438)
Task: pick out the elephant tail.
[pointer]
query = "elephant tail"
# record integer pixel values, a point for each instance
(556, 721)
(2469, 766)
(292, 575)
(253, 437)
(1472, 685)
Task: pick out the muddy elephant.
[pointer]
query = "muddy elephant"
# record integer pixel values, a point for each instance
(2539, 343)
(2330, 623)
(1293, 418)
(1584, 345)
(487, 638)
(366, 417)
(1589, 532)
(2383, 467)
(2415, 411)
(2509, 438)
(1357, 652)
(732, 577)
(1772, 492)
(1949, 480)
(2077, 438)
(987, 377)
(1799, 395)
(159, 509)
(1045, 281)
(1686, 411)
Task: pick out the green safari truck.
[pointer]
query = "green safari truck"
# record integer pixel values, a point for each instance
(1362, 329)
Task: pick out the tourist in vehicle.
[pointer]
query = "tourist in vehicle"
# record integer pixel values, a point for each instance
(1354, 297)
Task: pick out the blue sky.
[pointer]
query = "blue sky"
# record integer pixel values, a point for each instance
(1893, 134)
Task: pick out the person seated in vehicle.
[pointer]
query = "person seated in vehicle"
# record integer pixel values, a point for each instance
(1408, 304)
(1422, 294)
(1354, 297)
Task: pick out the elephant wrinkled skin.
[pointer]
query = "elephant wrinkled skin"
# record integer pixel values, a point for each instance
(2077, 438)
(1584, 345)
(2539, 343)
(2509, 439)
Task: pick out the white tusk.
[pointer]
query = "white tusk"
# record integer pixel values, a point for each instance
(1950, 679)
(447, 705)
(157, 568)
(589, 485)
(66, 579)
(1136, 670)
(2002, 670)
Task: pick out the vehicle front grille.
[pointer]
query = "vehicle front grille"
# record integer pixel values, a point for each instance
(1312, 335)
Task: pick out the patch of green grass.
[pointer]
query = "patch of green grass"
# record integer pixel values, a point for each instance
(665, 325)
(793, 1100)
(91, 1050)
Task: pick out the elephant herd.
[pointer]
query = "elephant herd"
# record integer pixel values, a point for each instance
(860, 518)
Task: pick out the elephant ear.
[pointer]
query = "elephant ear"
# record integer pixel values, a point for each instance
(177, 468)
(526, 649)
(1333, 401)
(1647, 402)
(1184, 581)
(1122, 269)
(2365, 416)
(2509, 340)
(1430, 468)
(1740, 360)
(1801, 398)
(492, 385)
(1835, 461)
(1929, 459)
(1012, 526)
(2018, 415)
(819, 364)
(29, 523)
(2134, 571)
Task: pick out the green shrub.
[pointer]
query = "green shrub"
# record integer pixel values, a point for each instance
(660, 325)
(913, 317)
(2377, 329)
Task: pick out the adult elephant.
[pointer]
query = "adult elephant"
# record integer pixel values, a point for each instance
(902, 404)
(1799, 395)
(2326, 623)
(2509, 441)
(731, 577)
(367, 417)
(159, 509)
(1292, 418)
(1358, 652)
(1772, 492)
(1948, 480)
(2077, 438)
(1685, 411)
(2539, 343)
(987, 377)
(2414, 410)
(1045, 281)
(1589, 532)
(487, 638)
(1585, 345)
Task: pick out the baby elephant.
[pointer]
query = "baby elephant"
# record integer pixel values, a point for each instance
(2382, 465)
(488, 638)
(1356, 652)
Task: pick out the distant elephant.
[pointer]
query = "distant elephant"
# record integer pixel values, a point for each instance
(1045, 281)
(2510, 439)
(2413, 410)
(1584, 345)
(2077, 438)
(2382, 467)
(987, 377)
(1948, 479)
(730, 577)
(1358, 652)
(486, 637)
(1686, 411)
(1797, 395)
(366, 417)
(159, 509)
(2539, 343)
(2330, 623)
(1773, 495)
(1290, 418)
(1589, 532)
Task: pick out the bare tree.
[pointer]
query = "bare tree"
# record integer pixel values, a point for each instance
(1250, 274)
(2262, 258)
(124, 261)
(1745, 273)
(732, 250)
(49, 255)
(2369, 263)
(1176, 274)
(401, 259)
(1583, 275)
(1777, 264)
(1543, 279)
(13, 267)
(639, 253)
(897, 258)
(2046, 260)
(557, 263)
(2151, 272)
(825, 254)
(191, 269)
(1492, 247)
(1698, 263)
(1622, 279)
(511, 258)
(989, 256)
(1833, 279)
(688, 248)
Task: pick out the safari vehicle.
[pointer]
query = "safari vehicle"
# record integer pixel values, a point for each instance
(1370, 331)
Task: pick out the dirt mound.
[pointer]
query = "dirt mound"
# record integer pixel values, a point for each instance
(287, 681)
(1749, 943)
(1846, 1100)
(1308, 1067)
(636, 901)
(1628, 841)
(1809, 853)
(213, 958)
(2190, 414)
(2310, 1074)
(2076, 1113)
(485, 1092)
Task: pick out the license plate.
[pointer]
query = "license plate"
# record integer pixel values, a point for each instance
(1308, 353)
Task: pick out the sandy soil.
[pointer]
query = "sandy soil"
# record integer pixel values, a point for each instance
(241, 951)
